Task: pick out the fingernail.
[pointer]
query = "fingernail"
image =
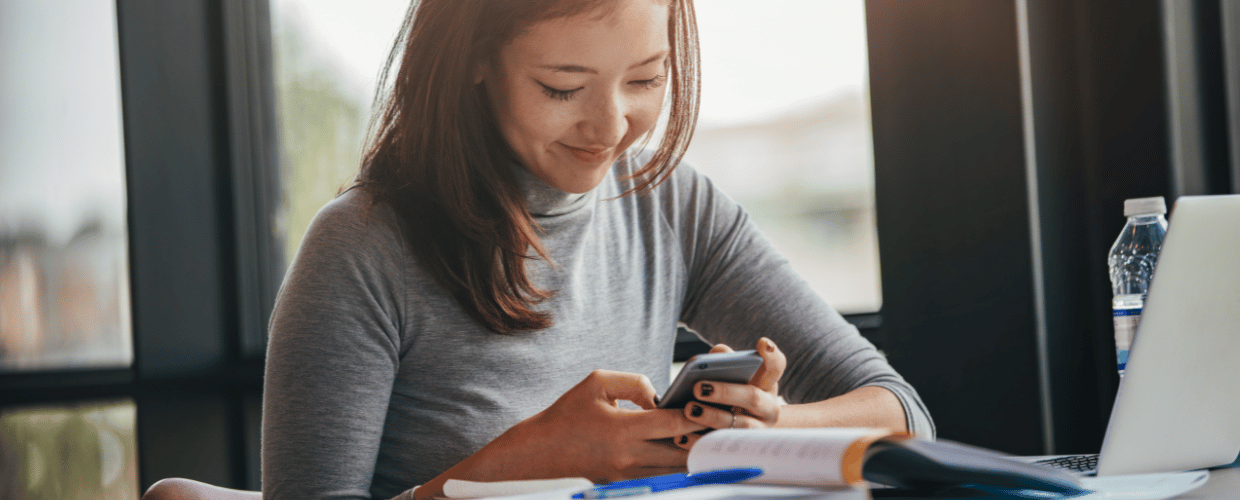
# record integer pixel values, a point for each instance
(770, 346)
(684, 439)
(656, 400)
(696, 411)
(707, 389)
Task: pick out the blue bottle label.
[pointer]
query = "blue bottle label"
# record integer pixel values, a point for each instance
(1126, 323)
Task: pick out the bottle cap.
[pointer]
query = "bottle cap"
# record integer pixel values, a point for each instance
(1142, 206)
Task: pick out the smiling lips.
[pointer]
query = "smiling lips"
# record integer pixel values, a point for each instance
(588, 155)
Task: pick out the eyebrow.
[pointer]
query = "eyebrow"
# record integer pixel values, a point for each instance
(574, 68)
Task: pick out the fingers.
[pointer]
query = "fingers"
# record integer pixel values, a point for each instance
(593, 437)
(613, 386)
(662, 424)
(648, 423)
(687, 441)
(759, 408)
(716, 418)
(773, 364)
(743, 395)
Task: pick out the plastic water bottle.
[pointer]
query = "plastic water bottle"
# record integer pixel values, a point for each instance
(1132, 261)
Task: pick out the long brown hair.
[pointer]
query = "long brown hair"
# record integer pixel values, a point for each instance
(436, 156)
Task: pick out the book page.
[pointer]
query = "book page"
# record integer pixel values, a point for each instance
(824, 456)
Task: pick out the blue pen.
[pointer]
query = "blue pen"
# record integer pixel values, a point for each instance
(669, 482)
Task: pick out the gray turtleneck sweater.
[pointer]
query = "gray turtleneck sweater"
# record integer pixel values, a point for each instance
(377, 381)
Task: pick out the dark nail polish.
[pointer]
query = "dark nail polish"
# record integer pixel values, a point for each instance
(696, 411)
(707, 389)
(656, 400)
(684, 439)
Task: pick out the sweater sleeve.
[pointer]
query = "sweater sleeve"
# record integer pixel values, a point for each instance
(332, 356)
(740, 289)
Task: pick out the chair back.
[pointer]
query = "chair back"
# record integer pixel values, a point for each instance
(187, 489)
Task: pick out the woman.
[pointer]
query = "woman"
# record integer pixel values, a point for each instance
(504, 271)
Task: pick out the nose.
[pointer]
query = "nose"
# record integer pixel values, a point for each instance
(606, 119)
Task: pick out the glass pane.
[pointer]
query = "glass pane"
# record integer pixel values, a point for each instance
(328, 55)
(64, 280)
(69, 452)
(785, 130)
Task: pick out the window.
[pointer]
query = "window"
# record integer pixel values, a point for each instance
(785, 130)
(83, 450)
(328, 56)
(64, 256)
(64, 281)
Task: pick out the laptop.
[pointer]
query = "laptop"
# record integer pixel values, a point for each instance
(1178, 406)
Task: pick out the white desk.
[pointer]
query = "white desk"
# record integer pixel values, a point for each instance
(1224, 484)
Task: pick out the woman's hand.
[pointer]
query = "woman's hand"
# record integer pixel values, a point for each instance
(583, 434)
(755, 405)
(591, 436)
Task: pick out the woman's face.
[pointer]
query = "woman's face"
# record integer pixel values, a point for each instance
(571, 94)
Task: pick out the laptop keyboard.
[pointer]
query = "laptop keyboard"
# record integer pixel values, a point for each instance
(1074, 463)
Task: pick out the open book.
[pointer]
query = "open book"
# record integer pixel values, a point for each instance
(852, 456)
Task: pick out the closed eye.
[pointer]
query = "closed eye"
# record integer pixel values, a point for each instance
(555, 93)
(652, 83)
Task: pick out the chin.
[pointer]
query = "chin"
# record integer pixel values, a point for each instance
(576, 177)
(584, 183)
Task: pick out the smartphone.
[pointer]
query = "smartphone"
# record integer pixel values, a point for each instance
(731, 367)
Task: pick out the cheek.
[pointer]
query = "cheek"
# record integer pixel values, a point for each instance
(645, 115)
(516, 112)
(532, 121)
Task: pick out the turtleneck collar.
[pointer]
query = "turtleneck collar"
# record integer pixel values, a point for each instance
(544, 200)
